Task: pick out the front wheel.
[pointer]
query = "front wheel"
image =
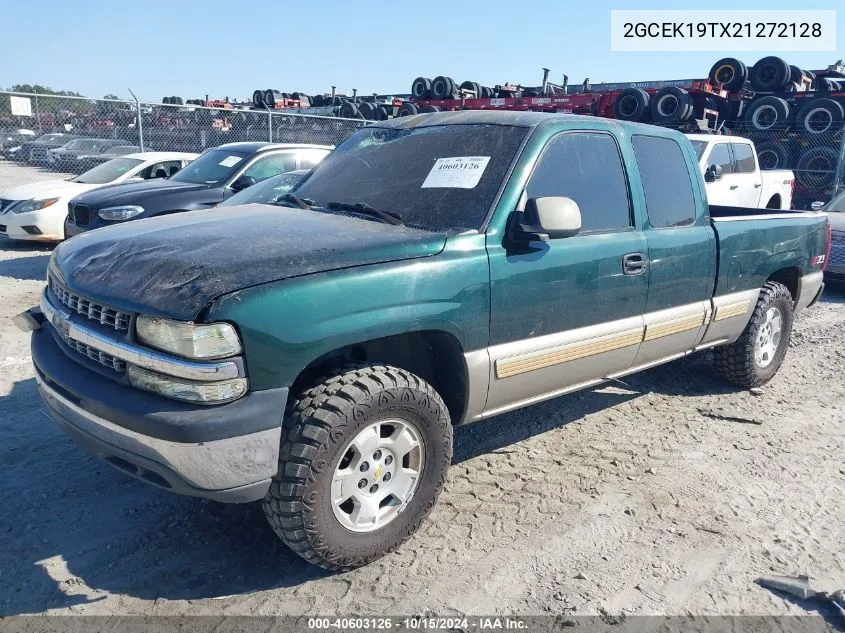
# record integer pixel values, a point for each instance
(755, 357)
(363, 458)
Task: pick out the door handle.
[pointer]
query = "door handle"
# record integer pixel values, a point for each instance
(758, 185)
(734, 187)
(634, 264)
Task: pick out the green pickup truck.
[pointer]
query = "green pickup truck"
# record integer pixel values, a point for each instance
(434, 270)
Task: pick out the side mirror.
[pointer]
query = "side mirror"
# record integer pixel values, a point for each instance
(548, 218)
(712, 173)
(815, 206)
(242, 182)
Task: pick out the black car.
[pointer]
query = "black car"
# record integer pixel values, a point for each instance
(11, 143)
(267, 191)
(213, 177)
(36, 152)
(73, 156)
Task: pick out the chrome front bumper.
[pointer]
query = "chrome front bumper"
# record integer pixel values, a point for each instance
(236, 469)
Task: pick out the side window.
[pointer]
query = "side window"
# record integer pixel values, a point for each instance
(586, 167)
(669, 196)
(169, 168)
(271, 165)
(744, 156)
(720, 155)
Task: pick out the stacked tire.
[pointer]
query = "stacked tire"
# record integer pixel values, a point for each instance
(442, 88)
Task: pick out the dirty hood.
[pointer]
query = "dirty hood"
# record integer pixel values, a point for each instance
(174, 266)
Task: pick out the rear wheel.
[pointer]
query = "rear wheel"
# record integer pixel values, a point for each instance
(755, 357)
(364, 456)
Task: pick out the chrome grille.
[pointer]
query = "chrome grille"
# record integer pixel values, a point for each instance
(99, 312)
(80, 214)
(837, 252)
(96, 355)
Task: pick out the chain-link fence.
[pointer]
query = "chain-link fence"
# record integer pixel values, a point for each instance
(46, 136)
(816, 154)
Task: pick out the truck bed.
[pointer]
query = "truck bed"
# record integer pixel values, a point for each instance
(754, 243)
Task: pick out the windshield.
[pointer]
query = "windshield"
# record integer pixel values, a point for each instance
(266, 191)
(50, 138)
(108, 171)
(212, 167)
(699, 147)
(435, 177)
(81, 144)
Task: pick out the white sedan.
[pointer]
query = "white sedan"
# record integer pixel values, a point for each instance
(37, 211)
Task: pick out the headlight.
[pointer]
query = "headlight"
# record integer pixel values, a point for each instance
(33, 205)
(120, 213)
(215, 340)
(203, 392)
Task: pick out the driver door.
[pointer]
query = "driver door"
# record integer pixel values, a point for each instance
(568, 312)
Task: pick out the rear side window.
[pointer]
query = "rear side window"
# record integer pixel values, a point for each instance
(744, 156)
(586, 167)
(720, 155)
(667, 185)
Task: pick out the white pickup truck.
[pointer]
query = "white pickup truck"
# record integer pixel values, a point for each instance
(732, 174)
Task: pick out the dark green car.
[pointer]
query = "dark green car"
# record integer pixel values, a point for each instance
(432, 271)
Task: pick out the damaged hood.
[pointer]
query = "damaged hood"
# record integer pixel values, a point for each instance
(174, 266)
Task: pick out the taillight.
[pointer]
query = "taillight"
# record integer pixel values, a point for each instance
(827, 252)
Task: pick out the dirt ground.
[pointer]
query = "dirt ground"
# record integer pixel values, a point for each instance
(624, 500)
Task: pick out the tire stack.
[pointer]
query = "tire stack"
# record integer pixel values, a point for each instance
(172, 101)
(794, 116)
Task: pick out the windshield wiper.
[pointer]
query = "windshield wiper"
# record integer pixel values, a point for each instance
(302, 203)
(388, 217)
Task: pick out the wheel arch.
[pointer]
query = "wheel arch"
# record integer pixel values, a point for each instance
(436, 356)
(774, 202)
(790, 277)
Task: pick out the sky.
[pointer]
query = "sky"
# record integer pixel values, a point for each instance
(190, 48)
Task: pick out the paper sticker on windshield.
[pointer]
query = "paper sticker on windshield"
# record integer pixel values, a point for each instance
(457, 172)
(230, 161)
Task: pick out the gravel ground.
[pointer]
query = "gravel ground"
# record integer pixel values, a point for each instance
(13, 174)
(627, 499)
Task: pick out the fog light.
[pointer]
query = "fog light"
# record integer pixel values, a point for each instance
(190, 391)
(32, 230)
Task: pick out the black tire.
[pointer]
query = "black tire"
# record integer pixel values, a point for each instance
(767, 114)
(408, 109)
(773, 155)
(823, 84)
(820, 116)
(382, 113)
(671, 104)
(631, 104)
(477, 88)
(440, 87)
(270, 99)
(421, 88)
(367, 110)
(816, 169)
(317, 432)
(348, 110)
(730, 72)
(770, 74)
(430, 108)
(487, 92)
(736, 361)
(468, 85)
(178, 101)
